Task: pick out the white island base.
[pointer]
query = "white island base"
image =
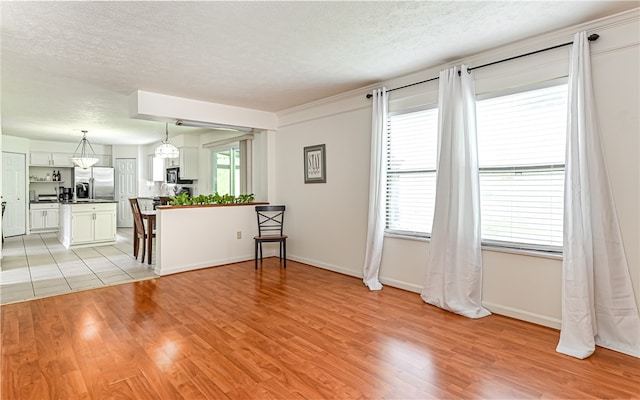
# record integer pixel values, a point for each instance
(88, 223)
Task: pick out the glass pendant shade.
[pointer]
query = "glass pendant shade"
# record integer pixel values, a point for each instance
(167, 149)
(84, 159)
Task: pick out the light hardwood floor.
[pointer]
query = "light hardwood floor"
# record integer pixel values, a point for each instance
(239, 333)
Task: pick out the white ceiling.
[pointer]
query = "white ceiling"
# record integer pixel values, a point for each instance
(68, 66)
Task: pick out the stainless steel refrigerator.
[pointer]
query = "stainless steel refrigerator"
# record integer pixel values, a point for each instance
(94, 183)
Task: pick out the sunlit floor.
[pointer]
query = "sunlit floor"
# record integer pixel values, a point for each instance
(37, 265)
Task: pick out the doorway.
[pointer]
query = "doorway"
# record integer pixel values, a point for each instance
(14, 221)
(126, 178)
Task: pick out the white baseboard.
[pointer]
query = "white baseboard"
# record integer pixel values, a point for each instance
(214, 263)
(410, 287)
(330, 267)
(522, 315)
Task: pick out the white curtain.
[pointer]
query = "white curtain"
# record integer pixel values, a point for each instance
(598, 304)
(377, 188)
(454, 269)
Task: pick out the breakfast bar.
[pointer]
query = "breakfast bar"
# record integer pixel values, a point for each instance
(200, 236)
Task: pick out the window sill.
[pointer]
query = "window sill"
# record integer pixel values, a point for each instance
(486, 247)
(523, 252)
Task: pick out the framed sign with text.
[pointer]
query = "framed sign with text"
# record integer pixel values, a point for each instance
(315, 168)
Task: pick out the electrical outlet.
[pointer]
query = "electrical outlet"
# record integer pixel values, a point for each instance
(239, 235)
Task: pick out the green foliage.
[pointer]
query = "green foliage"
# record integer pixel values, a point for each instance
(245, 198)
(184, 199)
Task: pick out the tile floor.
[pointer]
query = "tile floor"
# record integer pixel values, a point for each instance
(37, 265)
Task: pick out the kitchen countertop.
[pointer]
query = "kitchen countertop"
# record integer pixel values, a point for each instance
(88, 201)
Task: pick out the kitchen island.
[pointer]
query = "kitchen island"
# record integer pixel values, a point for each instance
(87, 223)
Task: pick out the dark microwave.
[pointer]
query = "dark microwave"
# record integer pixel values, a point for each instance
(173, 176)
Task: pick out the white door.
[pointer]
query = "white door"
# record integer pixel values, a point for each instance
(14, 221)
(126, 178)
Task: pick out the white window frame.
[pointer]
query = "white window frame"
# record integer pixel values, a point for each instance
(407, 233)
(512, 247)
(233, 149)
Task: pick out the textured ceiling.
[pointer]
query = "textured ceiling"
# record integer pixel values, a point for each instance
(68, 66)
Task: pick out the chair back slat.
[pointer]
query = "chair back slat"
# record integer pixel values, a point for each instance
(137, 216)
(270, 219)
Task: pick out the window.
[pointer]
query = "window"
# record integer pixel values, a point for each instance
(521, 152)
(521, 145)
(226, 170)
(411, 171)
(231, 164)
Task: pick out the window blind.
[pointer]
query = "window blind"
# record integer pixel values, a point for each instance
(521, 152)
(411, 171)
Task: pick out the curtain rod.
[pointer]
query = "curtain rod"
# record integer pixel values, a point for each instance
(593, 37)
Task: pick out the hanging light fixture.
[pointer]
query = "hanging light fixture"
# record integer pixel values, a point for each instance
(167, 149)
(84, 159)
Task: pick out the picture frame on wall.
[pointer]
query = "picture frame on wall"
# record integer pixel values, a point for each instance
(315, 168)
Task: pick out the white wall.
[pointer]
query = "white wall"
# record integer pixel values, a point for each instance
(327, 222)
(189, 238)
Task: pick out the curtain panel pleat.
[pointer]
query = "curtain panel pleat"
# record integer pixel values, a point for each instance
(598, 303)
(377, 191)
(454, 263)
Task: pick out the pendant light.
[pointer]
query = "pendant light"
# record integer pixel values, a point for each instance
(84, 159)
(167, 149)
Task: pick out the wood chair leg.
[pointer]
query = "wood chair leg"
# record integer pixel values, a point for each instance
(136, 244)
(149, 248)
(284, 252)
(256, 253)
(143, 249)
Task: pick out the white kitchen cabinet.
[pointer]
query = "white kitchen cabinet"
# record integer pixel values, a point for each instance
(40, 158)
(46, 159)
(61, 159)
(82, 227)
(87, 224)
(93, 226)
(50, 159)
(43, 217)
(104, 226)
(155, 169)
(188, 163)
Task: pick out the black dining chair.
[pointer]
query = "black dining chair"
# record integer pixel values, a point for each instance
(270, 227)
